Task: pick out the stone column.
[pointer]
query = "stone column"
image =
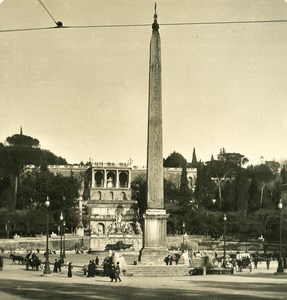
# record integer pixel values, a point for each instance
(118, 179)
(93, 178)
(154, 249)
(105, 178)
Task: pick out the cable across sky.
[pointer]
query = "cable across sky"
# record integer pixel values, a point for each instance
(60, 24)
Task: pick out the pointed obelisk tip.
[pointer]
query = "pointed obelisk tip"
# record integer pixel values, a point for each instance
(155, 25)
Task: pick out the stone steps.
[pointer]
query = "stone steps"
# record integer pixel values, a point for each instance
(157, 271)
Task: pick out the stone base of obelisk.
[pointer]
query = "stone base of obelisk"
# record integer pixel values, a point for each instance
(154, 250)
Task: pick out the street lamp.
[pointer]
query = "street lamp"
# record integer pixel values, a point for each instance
(224, 239)
(61, 233)
(280, 268)
(7, 229)
(47, 263)
(183, 231)
(64, 245)
(213, 203)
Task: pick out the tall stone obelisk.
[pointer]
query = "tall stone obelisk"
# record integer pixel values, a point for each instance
(155, 217)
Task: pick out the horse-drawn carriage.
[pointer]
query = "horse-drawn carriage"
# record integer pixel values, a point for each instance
(19, 258)
(30, 260)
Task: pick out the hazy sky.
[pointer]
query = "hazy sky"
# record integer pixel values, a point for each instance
(83, 92)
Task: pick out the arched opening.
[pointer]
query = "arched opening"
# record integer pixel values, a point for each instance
(99, 195)
(99, 179)
(111, 196)
(124, 179)
(123, 196)
(100, 228)
(111, 179)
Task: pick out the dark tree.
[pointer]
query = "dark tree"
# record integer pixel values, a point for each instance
(194, 162)
(21, 150)
(175, 160)
(284, 175)
(254, 195)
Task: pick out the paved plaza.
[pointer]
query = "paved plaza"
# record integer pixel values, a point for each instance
(18, 283)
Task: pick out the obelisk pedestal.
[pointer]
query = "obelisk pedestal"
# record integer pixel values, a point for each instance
(154, 250)
(155, 217)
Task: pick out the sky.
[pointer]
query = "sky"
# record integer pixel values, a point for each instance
(83, 92)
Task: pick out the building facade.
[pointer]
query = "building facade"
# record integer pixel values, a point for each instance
(113, 214)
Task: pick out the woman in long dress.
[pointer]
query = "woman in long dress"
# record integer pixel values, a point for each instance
(70, 267)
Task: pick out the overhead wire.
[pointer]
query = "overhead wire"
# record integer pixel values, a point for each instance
(47, 11)
(59, 24)
(181, 24)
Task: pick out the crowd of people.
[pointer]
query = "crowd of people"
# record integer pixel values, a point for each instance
(170, 259)
(240, 261)
(110, 268)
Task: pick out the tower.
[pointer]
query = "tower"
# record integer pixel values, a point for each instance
(155, 217)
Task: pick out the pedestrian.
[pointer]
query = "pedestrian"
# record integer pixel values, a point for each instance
(107, 266)
(1, 263)
(93, 269)
(255, 261)
(59, 264)
(56, 266)
(117, 272)
(70, 268)
(240, 265)
(168, 260)
(89, 269)
(97, 260)
(250, 266)
(113, 273)
(268, 262)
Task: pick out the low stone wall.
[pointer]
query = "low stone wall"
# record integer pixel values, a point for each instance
(25, 244)
(95, 242)
(179, 242)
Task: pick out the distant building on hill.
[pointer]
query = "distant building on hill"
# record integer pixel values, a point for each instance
(171, 174)
(113, 214)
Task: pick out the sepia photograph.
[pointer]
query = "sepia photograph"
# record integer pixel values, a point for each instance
(142, 149)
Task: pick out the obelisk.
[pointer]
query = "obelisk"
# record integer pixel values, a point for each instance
(155, 217)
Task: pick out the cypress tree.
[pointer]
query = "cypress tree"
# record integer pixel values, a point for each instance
(194, 159)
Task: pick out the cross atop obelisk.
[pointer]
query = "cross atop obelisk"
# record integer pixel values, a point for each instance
(154, 249)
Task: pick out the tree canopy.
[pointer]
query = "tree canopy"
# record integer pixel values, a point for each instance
(175, 160)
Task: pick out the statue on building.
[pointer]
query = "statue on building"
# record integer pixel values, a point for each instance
(110, 182)
(138, 228)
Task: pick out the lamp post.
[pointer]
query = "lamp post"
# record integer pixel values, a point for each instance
(47, 263)
(224, 239)
(183, 231)
(64, 245)
(61, 233)
(7, 228)
(280, 268)
(213, 203)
